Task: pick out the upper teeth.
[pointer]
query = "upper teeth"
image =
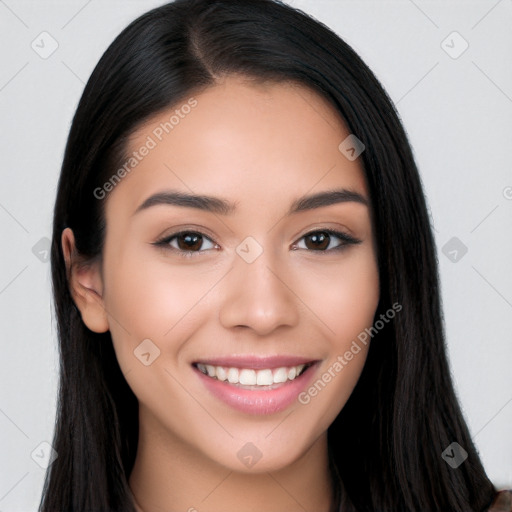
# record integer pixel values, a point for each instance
(248, 377)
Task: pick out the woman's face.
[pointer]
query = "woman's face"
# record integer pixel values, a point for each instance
(263, 289)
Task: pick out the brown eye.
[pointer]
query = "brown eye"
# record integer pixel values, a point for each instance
(186, 243)
(320, 240)
(189, 241)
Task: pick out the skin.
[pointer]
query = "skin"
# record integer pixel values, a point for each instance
(262, 147)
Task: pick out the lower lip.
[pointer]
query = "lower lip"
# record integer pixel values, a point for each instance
(258, 402)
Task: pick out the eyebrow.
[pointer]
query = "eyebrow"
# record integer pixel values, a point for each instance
(224, 207)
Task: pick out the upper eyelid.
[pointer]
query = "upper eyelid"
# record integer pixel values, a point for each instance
(331, 231)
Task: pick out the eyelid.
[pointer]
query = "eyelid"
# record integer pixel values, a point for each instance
(345, 237)
(164, 242)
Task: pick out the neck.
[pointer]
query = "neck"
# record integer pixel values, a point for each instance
(175, 477)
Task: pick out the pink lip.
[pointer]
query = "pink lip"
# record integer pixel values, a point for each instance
(255, 362)
(258, 402)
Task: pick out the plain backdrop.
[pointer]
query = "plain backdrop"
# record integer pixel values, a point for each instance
(446, 66)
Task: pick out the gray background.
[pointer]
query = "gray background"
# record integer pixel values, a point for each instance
(456, 107)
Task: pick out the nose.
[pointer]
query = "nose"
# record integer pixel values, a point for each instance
(259, 295)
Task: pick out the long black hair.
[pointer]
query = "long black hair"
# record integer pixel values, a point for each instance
(387, 441)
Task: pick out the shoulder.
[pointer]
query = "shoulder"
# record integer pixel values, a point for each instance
(502, 502)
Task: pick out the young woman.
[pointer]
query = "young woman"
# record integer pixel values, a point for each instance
(245, 282)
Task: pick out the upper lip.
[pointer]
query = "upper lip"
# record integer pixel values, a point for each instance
(256, 362)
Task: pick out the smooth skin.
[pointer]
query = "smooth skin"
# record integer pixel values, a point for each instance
(260, 146)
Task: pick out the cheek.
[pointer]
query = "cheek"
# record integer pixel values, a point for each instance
(345, 300)
(165, 305)
(155, 301)
(344, 297)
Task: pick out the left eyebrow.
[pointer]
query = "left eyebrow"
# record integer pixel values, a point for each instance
(326, 198)
(224, 207)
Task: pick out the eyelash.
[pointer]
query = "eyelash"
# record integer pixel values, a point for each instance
(164, 242)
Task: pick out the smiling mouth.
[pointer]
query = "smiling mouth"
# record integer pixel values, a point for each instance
(256, 379)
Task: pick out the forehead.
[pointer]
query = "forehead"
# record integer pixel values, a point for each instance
(254, 141)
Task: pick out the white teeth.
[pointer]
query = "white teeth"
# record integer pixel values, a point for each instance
(221, 373)
(233, 375)
(264, 378)
(281, 375)
(249, 377)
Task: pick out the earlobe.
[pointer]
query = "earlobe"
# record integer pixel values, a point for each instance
(85, 285)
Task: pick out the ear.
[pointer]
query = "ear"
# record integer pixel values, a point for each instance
(85, 285)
